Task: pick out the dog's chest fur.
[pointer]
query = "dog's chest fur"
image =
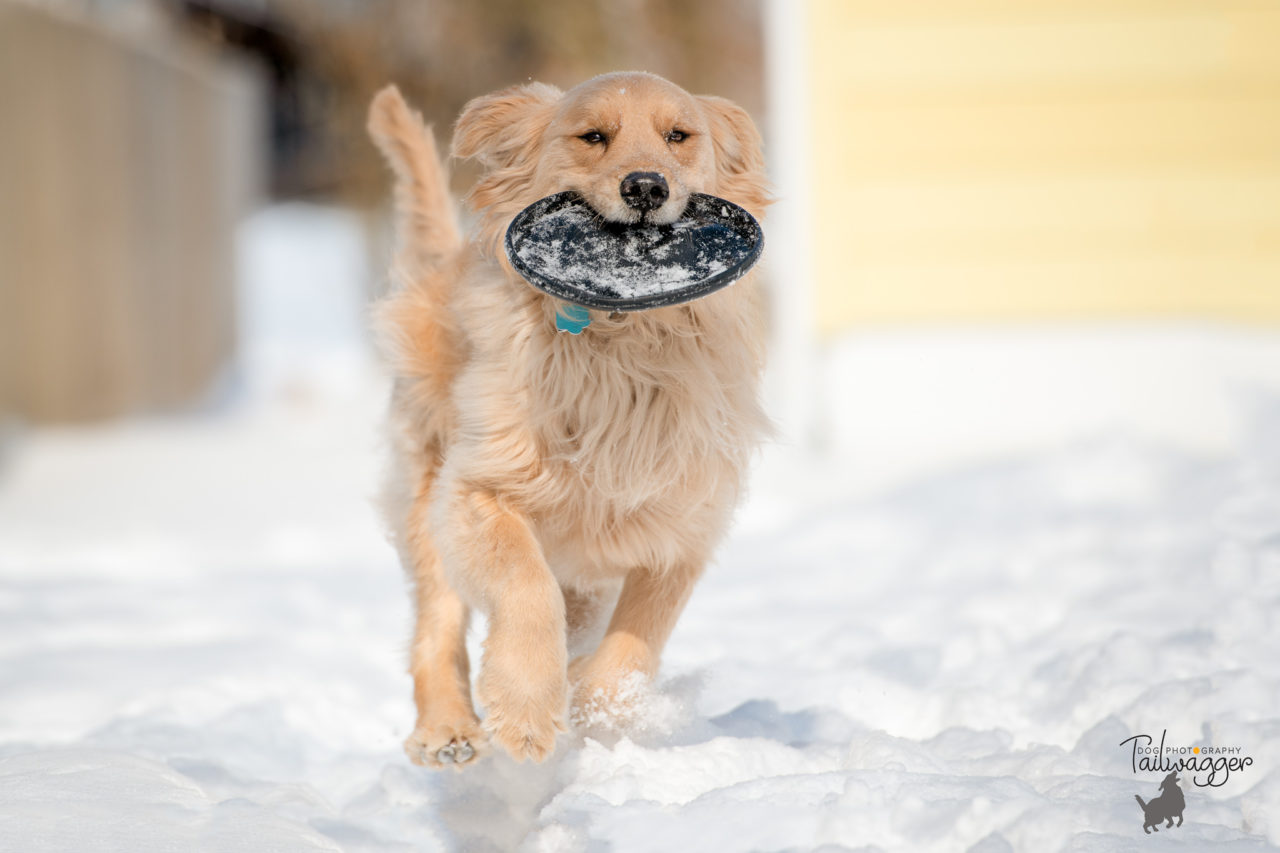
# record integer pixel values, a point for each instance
(627, 444)
(639, 446)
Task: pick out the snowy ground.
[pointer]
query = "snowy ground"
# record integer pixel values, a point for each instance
(1017, 550)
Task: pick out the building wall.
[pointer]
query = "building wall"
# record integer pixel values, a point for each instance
(124, 167)
(991, 160)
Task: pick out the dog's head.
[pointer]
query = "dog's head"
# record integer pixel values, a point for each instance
(1170, 780)
(632, 144)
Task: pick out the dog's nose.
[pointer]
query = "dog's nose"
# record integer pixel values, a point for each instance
(644, 190)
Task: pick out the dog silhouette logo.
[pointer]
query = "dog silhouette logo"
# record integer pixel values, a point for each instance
(1165, 807)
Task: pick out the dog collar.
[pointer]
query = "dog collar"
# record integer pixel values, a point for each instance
(572, 318)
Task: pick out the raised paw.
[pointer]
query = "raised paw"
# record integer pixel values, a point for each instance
(442, 746)
(523, 717)
(524, 702)
(525, 732)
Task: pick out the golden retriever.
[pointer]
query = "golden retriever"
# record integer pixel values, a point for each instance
(553, 480)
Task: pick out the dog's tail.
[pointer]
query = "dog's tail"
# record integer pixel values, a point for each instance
(427, 224)
(1140, 802)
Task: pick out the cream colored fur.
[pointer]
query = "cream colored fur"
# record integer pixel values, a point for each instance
(539, 476)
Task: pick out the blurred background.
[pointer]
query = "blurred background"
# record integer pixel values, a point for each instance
(143, 134)
(1024, 291)
(191, 209)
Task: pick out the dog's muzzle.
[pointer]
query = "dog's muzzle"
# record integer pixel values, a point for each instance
(644, 191)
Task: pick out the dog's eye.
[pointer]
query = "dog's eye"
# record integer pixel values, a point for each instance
(592, 137)
(677, 136)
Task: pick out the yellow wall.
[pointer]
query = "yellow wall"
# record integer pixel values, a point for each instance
(1010, 159)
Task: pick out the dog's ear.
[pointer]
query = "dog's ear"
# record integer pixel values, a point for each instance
(740, 174)
(505, 127)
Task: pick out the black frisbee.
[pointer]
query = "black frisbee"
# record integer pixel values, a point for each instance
(561, 246)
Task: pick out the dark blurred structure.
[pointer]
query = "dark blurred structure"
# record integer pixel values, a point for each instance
(325, 60)
(296, 98)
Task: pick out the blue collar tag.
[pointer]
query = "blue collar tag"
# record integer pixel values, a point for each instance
(572, 318)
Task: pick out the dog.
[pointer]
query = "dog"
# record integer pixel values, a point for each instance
(1167, 806)
(559, 484)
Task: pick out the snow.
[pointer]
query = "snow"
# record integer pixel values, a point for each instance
(1017, 549)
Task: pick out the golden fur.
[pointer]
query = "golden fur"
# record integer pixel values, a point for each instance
(538, 475)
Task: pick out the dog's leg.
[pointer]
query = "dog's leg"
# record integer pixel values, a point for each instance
(585, 612)
(581, 610)
(646, 612)
(448, 731)
(497, 563)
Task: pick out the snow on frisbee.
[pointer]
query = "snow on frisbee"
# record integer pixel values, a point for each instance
(562, 247)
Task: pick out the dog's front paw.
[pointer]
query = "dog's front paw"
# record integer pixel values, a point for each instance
(455, 744)
(523, 717)
(526, 732)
